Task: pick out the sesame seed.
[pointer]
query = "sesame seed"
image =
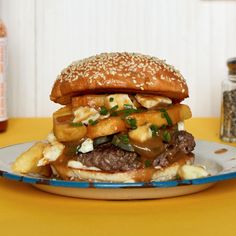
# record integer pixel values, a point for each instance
(128, 66)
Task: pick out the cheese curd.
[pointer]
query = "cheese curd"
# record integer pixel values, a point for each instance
(51, 153)
(192, 172)
(51, 138)
(86, 146)
(91, 118)
(84, 114)
(151, 101)
(180, 125)
(118, 100)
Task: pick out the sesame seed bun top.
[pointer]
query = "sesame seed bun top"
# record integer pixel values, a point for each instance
(119, 72)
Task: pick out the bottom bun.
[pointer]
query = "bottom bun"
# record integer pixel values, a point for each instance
(140, 175)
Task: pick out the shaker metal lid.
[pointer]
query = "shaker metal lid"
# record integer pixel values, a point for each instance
(231, 63)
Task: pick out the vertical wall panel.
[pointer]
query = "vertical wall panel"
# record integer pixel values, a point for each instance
(217, 55)
(196, 36)
(19, 19)
(201, 78)
(230, 39)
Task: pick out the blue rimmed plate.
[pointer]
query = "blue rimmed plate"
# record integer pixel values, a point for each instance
(219, 159)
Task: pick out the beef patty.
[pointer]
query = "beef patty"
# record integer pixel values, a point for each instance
(181, 141)
(108, 157)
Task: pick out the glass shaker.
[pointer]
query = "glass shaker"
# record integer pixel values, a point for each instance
(228, 107)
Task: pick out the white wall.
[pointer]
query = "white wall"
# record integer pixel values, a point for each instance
(197, 36)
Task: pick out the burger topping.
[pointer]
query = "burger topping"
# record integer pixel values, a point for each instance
(51, 153)
(192, 172)
(85, 114)
(132, 123)
(111, 125)
(180, 125)
(128, 110)
(166, 116)
(102, 140)
(76, 124)
(92, 122)
(181, 141)
(79, 165)
(69, 132)
(122, 152)
(92, 100)
(141, 134)
(89, 122)
(108, 157)
(125, 154)
(109, 101)
(154, 129)
(51, 138)
(184, 141)
(113, 110)
(151, 101)
(166, 136)
(86, 146)
(169, 116)
(118, 100)
(103, 111)
(148, 163)
(122, 141)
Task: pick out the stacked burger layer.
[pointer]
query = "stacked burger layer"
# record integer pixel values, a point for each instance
(122, 121)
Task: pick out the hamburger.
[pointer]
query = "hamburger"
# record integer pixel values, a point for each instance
(121, 121)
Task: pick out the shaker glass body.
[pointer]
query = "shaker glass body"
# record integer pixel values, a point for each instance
(228, 110)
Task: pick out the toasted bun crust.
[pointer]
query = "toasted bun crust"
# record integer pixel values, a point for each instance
(139, 175)
(119, 72)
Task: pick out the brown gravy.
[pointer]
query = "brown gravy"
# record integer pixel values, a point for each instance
(69, 153)
(221, 151)
(149, 149)
(144, 175)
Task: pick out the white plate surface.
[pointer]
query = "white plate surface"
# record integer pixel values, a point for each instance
(221, 166)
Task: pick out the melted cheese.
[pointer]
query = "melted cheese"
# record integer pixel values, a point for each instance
(79, 165)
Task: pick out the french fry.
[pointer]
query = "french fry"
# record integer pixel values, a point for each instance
(176, 113)
(27, 162)
(94, 101)
(64, 111)
(105, 127)
(62, 128)
(141, 134)
(67, 132)
(114, 125)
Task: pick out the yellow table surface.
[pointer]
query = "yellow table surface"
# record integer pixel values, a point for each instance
(25, 210)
